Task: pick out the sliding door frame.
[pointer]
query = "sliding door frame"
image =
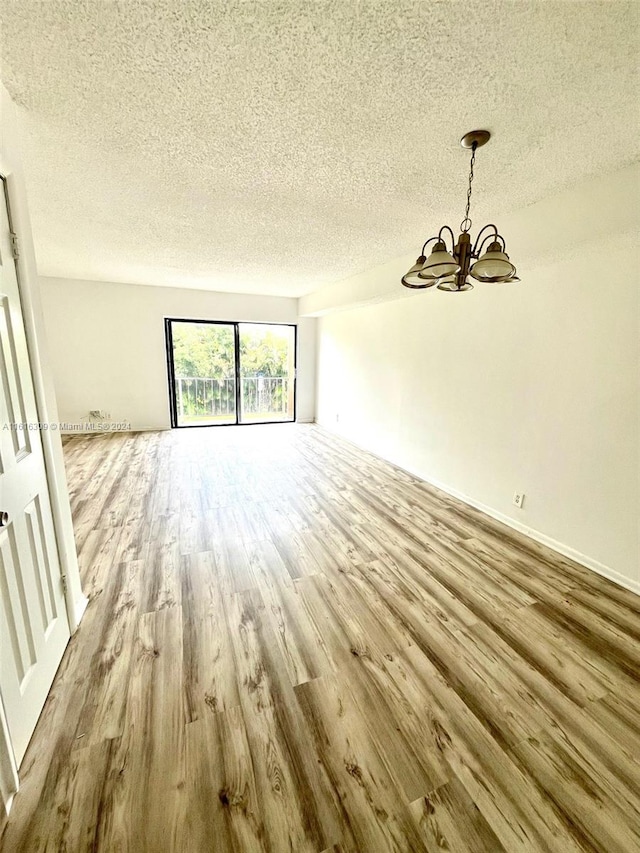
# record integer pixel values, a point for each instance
(173, 403)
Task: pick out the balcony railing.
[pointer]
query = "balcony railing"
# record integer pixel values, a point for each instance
(202, 398)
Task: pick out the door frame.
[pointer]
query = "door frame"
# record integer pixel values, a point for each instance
(168, 338)
(28, 287)
(75, 601)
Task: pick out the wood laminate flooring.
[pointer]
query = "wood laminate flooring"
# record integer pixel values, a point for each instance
(292, 645)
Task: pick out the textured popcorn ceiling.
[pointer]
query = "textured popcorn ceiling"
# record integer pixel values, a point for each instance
(274, 147)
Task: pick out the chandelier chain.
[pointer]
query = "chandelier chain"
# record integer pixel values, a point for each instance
(465, 225)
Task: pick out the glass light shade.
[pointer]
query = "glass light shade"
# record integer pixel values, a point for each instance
(496, 278)
(411, 278)
(450, 284)
(439, 263)
(494, 265)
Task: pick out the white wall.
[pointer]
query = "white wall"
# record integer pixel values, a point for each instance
(108, 352)
(531, 386)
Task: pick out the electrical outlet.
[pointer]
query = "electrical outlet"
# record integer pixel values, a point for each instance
(337, 417)
(518, 499)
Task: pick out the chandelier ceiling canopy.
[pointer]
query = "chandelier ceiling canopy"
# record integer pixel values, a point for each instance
(450, 269)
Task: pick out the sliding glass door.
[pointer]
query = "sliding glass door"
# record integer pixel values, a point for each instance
(230, 373)
(267, 372)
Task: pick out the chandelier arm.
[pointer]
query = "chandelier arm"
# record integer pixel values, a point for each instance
(453, 236)
(491, 237)
(430, 240)
(480, 233)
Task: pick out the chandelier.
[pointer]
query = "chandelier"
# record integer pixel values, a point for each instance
(449, 270)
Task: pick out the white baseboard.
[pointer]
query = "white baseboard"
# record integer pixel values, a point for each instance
(150, 428)
(538, 536)
(532, 533)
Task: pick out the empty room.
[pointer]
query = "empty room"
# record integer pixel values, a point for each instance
(300, 552)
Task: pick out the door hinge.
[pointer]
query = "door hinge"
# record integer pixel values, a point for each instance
(63, 578)
(15, 248)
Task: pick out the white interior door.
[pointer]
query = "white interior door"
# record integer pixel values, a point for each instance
(34, 630)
